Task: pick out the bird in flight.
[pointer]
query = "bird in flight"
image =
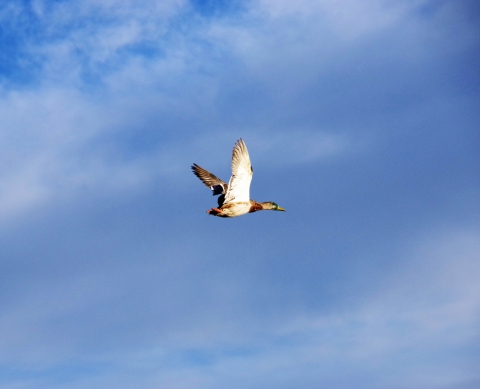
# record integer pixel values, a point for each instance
(234, 199)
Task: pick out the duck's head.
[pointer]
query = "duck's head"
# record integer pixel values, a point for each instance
(270, 205)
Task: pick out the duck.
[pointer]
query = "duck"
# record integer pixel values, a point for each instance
(234, 198)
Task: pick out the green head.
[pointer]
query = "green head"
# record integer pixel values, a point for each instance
(270, 205)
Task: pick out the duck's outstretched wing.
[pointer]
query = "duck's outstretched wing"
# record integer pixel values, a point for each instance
(210, 180)
(239, 185)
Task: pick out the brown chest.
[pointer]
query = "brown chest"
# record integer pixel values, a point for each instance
(254, 207)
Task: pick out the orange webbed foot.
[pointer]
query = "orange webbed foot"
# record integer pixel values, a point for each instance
(214, 211)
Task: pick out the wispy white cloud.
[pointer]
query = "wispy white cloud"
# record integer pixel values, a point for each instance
(50, 127)
(430, 304)
(48, 137)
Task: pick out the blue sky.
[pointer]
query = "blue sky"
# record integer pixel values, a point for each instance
(361, 118)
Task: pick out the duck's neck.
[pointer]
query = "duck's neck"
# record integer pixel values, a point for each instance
(267, 206)
(254, 206)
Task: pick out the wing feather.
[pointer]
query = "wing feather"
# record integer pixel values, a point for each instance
(239, 185)
(210, 180)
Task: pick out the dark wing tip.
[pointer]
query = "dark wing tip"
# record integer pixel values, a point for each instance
(195, 170)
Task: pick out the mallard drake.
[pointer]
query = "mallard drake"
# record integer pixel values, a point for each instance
(234, 199)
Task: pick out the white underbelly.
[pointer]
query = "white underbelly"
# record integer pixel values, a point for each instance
(235, 209)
